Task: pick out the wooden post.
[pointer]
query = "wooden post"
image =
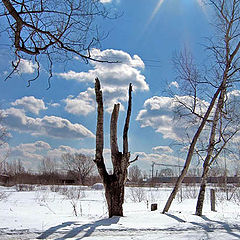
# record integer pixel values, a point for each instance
(213, 200)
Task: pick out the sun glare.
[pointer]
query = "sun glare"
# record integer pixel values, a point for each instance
(202, 6)
(155, 11)
(200, 3)
(159, 4)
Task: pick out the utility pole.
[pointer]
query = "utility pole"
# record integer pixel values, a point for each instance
(153, 163)
(161, 164)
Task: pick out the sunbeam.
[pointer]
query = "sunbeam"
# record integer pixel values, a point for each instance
(155, 11)
(202, 6)
(200, 3)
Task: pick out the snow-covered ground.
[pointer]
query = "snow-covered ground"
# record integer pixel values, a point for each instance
(49, 213)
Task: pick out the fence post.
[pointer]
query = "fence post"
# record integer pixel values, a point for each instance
(213, 200)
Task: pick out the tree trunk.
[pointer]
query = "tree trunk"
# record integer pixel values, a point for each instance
(211, 145)
(201, 194)
(114, 193)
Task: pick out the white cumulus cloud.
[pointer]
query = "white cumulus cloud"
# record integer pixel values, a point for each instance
(27, 66)
(30, 151)
(83, 104)
(51, 126)
(174, 84)
(62, 149)
(55, 105)
(161, 158)
(162, 149)
(105, 1)
(31, 104)
(114, 78)
(160, 114)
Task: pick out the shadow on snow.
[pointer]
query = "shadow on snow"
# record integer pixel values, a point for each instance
(210, 225)
(88, 228)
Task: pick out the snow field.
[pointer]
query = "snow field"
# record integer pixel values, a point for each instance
(73, 212)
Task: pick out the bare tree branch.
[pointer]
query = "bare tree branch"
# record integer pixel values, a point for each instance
(62, 29)
(134, 160)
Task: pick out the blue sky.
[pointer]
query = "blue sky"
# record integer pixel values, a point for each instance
(63, 119)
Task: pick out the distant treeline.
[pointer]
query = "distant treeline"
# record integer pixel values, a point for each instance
(188, 180)
(43, 179)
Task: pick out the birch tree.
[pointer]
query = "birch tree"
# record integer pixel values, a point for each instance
(226, 51)
(225, 76)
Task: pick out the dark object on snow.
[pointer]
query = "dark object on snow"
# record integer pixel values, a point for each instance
(153, 206)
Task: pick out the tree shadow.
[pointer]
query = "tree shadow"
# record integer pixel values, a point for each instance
(175, 218)
(209, 226)
(88, 229)
(205, 227)
(54, 229)
(225, 226)
(91, 228)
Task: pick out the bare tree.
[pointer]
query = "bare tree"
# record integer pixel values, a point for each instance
(216, 171)
(194, 172)
(135, 174)
(191, 149)
(48, 166)
(166, 172)
(228, 14)
(79, 165)
(226, 69)
(4, 150)
(4, 135)
(114, 183)
(15, 167)
(56, 30)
